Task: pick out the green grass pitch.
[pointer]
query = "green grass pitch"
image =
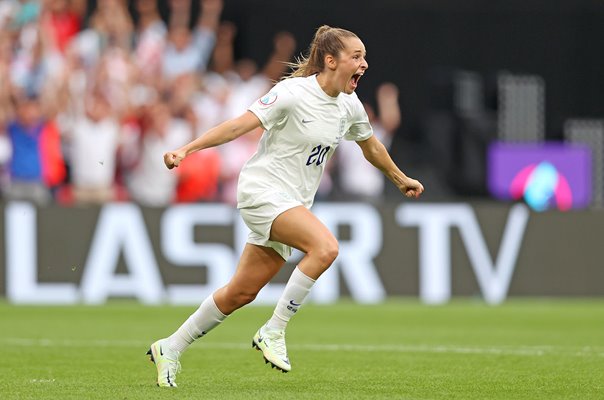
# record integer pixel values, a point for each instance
(523, 349)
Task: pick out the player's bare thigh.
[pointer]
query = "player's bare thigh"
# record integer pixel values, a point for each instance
(257, 266)
(301, 229)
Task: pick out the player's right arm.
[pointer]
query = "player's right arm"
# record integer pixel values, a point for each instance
(223, 133)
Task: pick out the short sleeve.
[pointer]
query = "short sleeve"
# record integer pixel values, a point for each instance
(273, 107)
(360, 128)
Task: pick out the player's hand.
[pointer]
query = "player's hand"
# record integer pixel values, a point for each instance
(412, 188)
(173, 158)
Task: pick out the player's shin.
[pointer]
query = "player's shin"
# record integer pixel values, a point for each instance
(202, 321)
(297, 289)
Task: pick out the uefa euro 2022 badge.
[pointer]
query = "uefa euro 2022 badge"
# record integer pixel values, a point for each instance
(268, 99)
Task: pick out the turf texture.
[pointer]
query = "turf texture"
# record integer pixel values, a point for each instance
(523, 349)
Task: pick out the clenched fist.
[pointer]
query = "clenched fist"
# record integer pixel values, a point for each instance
(412, 188)
(173, 158)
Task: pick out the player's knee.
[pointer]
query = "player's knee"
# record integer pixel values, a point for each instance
(238, 297)
(327, 252)
(243, 297)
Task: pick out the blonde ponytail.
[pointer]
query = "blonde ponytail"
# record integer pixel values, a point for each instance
(327, 40)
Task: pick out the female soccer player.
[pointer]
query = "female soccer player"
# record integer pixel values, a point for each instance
(305, 116)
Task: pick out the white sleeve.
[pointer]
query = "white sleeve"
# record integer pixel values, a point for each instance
(273, 107)
(360, 129)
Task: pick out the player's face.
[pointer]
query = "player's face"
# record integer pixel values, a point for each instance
(351, 64)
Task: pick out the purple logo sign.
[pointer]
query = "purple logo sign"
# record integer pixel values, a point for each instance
(546, 175)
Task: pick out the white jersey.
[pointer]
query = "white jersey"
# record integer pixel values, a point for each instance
(303, 126)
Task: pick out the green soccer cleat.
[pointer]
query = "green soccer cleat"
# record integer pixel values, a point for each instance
(271, 342)
(166, 362)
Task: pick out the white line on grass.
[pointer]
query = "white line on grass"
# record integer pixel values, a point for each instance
(494, 350)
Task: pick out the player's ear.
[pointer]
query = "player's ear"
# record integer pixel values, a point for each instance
(331, 62)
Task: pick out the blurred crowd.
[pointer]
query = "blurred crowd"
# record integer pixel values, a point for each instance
(92, 98)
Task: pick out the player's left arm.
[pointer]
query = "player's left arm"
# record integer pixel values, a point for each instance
(375, 152)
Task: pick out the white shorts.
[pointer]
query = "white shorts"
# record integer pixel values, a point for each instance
(259, 218)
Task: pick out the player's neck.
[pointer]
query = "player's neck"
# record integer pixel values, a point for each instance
(327, 84)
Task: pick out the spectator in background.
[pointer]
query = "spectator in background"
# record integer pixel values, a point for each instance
(99, 77)
(186, 51)
(150, 40)
(31, 150)
(95, 137)
(36, 162)
(62, 21)
(29, 64)
(358, 178)
(110, 25)
(150, 183)
(209, 102)
(91, 129)
(223, 57)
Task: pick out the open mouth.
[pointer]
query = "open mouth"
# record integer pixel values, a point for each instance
(354, 81)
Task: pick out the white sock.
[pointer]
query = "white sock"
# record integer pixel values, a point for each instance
(203, 320)
(295, 292)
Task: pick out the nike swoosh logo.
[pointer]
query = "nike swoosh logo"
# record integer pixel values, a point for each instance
(306, 121)
(294, 304)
